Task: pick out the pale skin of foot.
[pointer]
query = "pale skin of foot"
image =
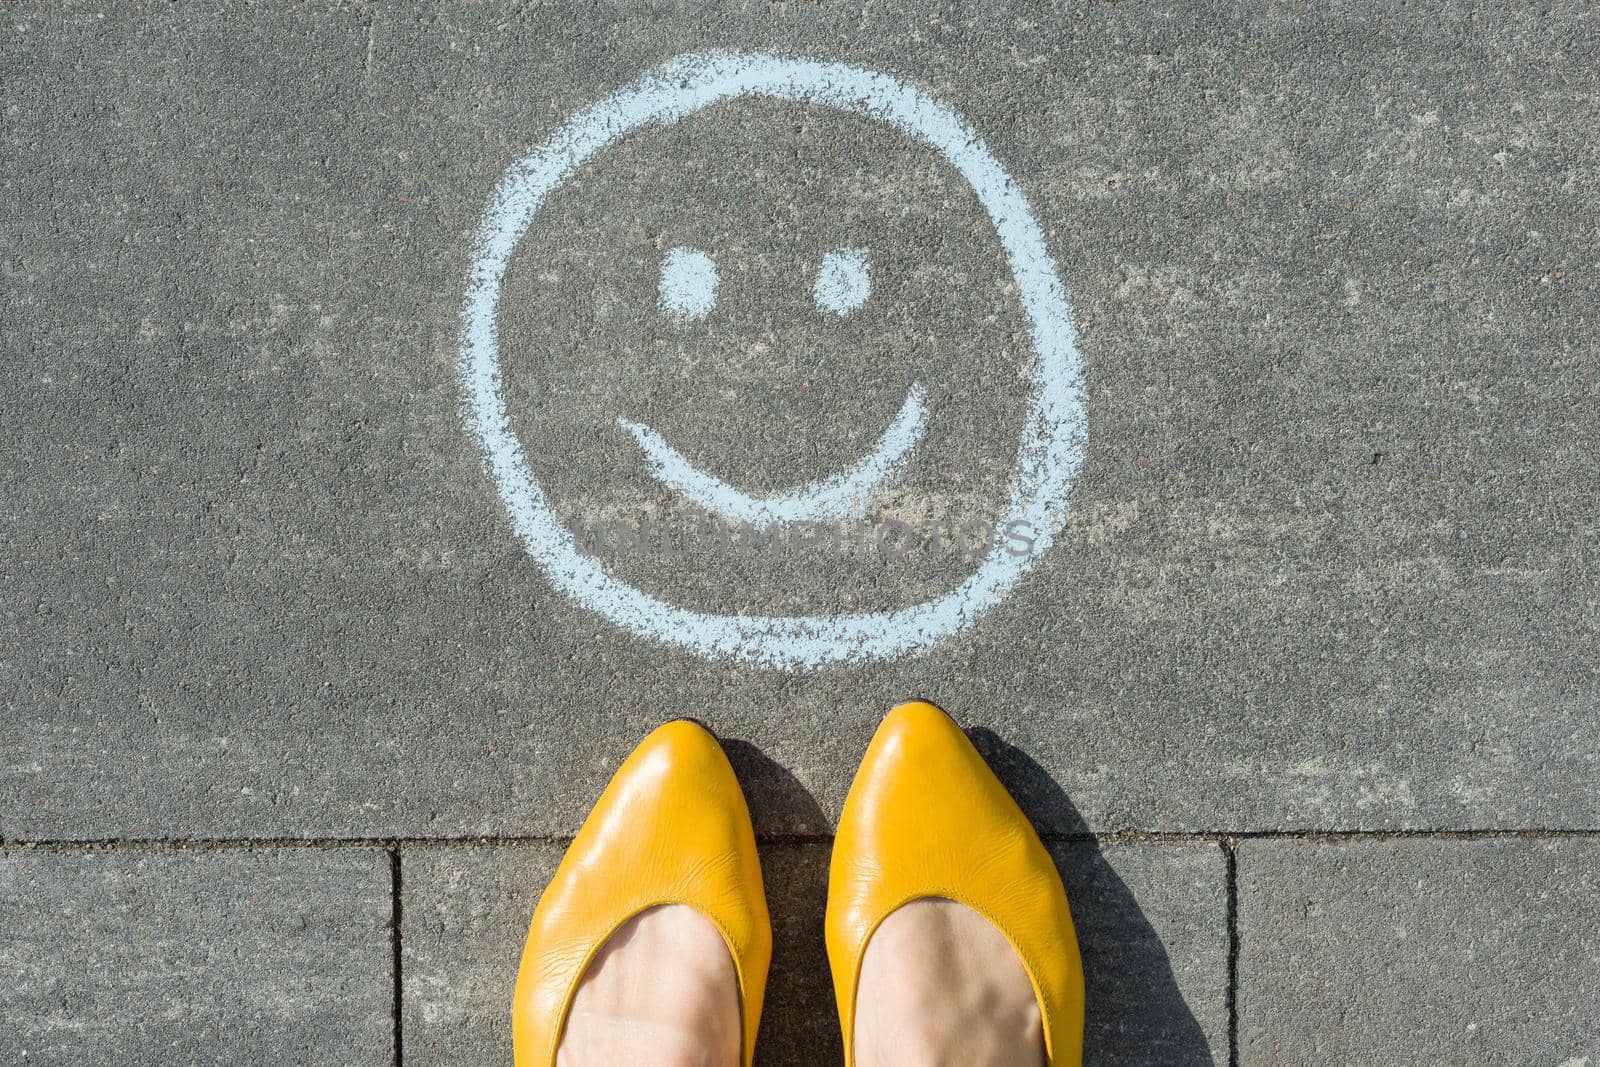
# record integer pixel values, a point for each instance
(940, 987)
(661, 991)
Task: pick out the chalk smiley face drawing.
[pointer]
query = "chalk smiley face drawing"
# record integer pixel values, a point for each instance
(1047, 457)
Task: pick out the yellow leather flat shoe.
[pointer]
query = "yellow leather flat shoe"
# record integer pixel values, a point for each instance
(671, 828)
(927, 818)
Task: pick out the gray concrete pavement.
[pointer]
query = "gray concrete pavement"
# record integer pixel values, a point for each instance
(1330, 556)
(179, 957)
(1328, 565)
(1419, 951)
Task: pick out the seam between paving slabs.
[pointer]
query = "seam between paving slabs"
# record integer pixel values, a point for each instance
(1229, 839)
(1230, 848)
(397, 979)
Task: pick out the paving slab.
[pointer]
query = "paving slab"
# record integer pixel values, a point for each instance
(230, 957)
(1152, 920)
(1470, 952)
(464, 913)
(1329, 560)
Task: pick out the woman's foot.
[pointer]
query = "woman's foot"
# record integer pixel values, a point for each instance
(661, 991)
(941, 987)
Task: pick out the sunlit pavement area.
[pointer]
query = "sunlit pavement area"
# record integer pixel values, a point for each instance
(300, 708)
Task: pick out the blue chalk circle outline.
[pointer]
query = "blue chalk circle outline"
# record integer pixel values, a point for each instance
(1051, 448)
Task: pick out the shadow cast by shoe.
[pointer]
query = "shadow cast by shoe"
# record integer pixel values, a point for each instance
(1135, 1012)
(799, 1026)
(780, 806)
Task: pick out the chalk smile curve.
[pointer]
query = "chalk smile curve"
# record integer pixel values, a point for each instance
(841, 495)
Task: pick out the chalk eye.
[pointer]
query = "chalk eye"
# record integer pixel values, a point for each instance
(688, 284)
(842, 281)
